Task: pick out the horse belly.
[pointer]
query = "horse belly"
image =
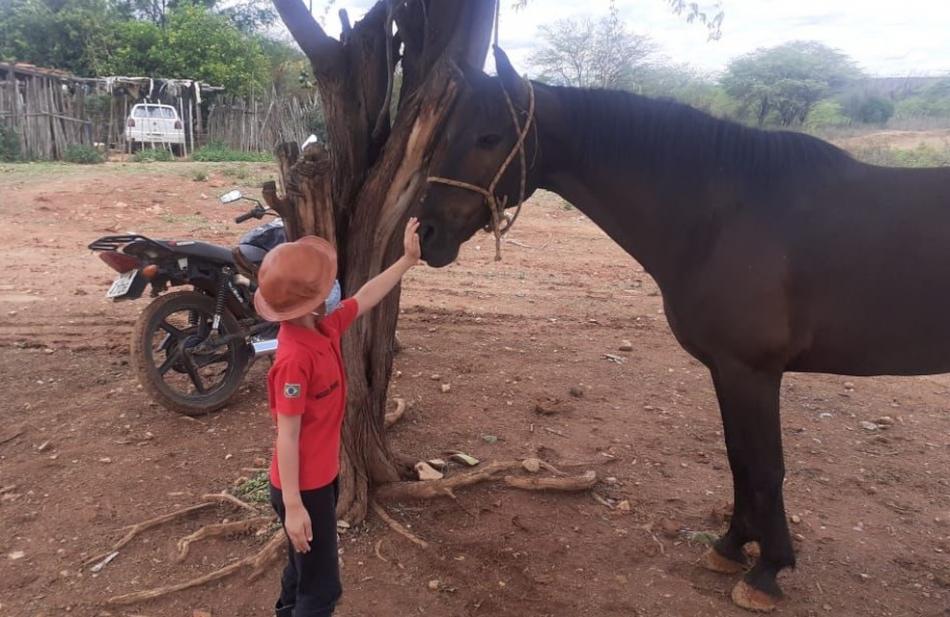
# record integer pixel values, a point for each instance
(889, 315)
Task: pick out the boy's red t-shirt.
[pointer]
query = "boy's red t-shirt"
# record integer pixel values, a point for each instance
(308, 380)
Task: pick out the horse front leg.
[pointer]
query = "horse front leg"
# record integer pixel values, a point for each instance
(749, 404)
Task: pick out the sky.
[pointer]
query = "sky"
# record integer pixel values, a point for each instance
(886, 38)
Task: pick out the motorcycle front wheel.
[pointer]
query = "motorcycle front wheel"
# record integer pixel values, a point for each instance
(174, 361)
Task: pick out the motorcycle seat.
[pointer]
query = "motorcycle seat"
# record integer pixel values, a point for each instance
(203, 250)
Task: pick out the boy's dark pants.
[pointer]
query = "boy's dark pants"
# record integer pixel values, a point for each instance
(310, 586)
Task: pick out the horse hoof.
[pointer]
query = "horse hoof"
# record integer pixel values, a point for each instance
(723, 565)
(748, 597)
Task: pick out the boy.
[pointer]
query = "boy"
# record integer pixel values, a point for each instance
(307, 395)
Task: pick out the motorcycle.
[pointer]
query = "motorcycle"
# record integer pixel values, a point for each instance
(191, 348)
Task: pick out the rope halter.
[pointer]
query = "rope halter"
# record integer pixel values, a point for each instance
(497, 206)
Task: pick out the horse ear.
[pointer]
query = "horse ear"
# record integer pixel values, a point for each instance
(512, 82)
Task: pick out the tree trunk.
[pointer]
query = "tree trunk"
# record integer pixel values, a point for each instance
(357, 191)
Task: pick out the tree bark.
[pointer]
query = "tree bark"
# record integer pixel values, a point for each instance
(357, 190)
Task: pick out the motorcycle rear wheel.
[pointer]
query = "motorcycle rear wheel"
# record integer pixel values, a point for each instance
(169, 360)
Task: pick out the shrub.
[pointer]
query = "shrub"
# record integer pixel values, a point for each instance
(82, 155)
(876, 110)
(219, 153)
(9, 144)
(199, 176)
(241, 173)
(922, 107)
(867, 108)
(826, 114)
(153, 155)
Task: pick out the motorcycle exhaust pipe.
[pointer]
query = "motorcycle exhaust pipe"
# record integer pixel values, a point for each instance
(264, 348)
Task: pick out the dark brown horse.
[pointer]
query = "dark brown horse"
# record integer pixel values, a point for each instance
(773, 251)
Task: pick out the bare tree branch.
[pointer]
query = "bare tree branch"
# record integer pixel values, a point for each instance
(345, 25)
(313, 41)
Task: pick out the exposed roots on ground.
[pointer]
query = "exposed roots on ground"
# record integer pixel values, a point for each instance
(579, 483)
(231, 499)
(446, 486)
(138, 528)
(397, 527)
(221, 529)
(393, 416)
(492, 471)
(258, 563)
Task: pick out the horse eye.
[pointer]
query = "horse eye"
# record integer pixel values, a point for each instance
(488, 141)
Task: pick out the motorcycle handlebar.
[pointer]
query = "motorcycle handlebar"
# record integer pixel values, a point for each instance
(245, 217)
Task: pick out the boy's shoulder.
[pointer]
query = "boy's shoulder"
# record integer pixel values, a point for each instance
(295, 349)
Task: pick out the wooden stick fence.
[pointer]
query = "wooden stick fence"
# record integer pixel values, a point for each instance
(49, 111)
(45, 117)
(259, 124)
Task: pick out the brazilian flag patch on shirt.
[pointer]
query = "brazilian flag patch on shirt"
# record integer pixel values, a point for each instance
(291, 390)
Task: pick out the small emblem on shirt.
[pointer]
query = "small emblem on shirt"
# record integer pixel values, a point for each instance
(291, 390)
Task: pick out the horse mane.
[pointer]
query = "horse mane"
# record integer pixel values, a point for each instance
(610, 127)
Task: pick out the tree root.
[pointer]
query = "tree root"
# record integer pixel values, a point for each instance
(394, 416)
(491, 471)
(446, 486)
(231, 499)
(220, 529)
(379, 544)
(138, 528)
(397, 527)
(267, 555)
(580, 483)
(210, 501)
(258, 562)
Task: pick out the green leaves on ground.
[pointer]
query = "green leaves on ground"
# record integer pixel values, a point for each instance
(83, 155)
(217, 153)
(256, 489)
(153, 155)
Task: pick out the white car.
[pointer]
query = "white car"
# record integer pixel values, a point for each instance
(156, 125)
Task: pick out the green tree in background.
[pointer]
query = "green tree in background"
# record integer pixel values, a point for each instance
(137, 49)
(156, 11)
(685, 84)
(74, 35)
(202, 45)
(826, 114)
(781, 84)
(250, 16)
(98, 37)
(933, 102)
(867, 108)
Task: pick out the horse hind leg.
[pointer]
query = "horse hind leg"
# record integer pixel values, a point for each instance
(749, 404)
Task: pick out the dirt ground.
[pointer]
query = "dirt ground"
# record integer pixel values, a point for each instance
(83, 453)
(898, 140)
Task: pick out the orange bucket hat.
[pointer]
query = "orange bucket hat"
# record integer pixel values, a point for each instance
(295, 278)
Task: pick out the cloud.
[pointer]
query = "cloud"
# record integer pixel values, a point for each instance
(884, 39)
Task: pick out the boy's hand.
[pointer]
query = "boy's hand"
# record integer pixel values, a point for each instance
(411, 242)
(299, 530)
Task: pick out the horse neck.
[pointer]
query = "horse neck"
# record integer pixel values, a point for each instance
(625, 199)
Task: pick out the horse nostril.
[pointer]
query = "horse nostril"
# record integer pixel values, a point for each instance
(426, 232)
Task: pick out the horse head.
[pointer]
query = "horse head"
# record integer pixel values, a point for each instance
(478, 154)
